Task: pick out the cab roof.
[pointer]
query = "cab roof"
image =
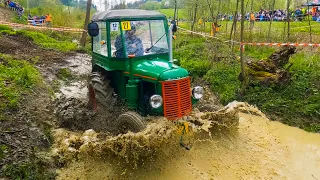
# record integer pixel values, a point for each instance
(126, 14)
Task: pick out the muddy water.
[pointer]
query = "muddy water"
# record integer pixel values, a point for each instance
(261, 149)
(80, 66)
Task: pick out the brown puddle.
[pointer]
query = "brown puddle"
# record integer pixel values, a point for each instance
(262, 149)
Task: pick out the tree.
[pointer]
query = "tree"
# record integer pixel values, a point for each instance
(106, 4)
(84, 34)
(151, 5)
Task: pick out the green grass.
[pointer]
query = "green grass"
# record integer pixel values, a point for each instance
(47, 42)
(296, 103)
(47, 39)
(33, 170)
(64, 74)
(3, 148)
(6, 30)
(16, 77)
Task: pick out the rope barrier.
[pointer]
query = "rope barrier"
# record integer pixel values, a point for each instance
(282, 44)
(62, 29)
(256, 43)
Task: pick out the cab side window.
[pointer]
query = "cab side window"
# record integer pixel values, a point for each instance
(116, 40)
(100, 42)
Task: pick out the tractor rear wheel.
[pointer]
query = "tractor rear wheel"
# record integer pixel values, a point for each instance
(100, 91)
(130, 121)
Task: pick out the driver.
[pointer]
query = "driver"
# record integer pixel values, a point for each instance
(133, 43)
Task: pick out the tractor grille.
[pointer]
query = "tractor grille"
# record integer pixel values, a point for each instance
(176, 98)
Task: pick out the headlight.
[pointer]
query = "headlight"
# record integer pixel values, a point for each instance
(197, 92)
(155, 101)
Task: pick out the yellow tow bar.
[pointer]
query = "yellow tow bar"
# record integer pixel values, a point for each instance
(183, 130)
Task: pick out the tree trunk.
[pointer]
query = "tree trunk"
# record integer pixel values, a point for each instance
(175, 10)
(194, 15)
(288, 20)
(234, 25)
(251, 11)
(227, 20)
(243, 73)
(84, 33)
(269, 31)
(309, 22)
(212, 16)
(216, 20)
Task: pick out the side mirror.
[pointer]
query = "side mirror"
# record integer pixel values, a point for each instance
(93, 29)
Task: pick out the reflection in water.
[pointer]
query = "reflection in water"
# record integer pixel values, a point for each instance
(262, 149)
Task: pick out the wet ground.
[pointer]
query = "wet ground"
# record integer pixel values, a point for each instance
(80, 66)
(262, 149)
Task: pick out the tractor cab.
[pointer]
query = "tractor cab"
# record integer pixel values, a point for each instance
(132, 58)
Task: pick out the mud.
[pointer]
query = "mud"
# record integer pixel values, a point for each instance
(25, 132)
(72, 113)
(80, 67)
(138, 148)
(261, 149)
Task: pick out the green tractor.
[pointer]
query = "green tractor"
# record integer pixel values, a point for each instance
(132, 59)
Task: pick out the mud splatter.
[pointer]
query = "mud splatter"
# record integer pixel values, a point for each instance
(137, 148)
(261, 149)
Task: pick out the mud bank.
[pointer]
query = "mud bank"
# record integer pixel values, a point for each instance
(261, 149)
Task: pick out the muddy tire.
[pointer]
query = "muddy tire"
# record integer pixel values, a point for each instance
(130, 121)
(100, 91)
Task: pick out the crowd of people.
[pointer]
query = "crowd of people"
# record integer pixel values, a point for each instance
(14, 6)
(32, 20)
(278, 15)
(40, 20)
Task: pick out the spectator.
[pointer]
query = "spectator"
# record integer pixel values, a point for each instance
(297, 14)
(48, 20)
(20, 11)
(12, 5)
(252, 20)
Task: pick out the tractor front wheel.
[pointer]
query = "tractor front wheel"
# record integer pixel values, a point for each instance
(130, 121)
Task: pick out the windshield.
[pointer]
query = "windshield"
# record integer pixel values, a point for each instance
(143, 38)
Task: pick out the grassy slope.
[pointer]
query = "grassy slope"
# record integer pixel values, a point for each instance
(18, 78)
(20, 75)
(296, 104)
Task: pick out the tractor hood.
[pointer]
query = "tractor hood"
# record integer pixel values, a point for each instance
(157, 69)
